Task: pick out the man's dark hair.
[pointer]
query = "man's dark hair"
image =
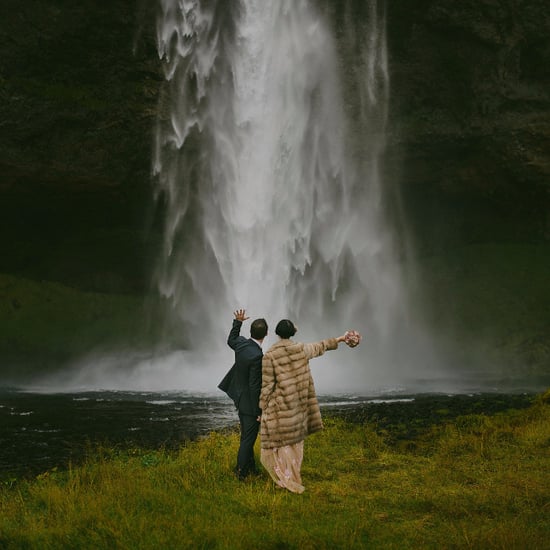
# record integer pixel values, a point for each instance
(285, 329)
(258, 329)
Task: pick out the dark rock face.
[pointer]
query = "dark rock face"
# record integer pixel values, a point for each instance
(468, 151)
(78, 99)
(471, 137)
(471, 119)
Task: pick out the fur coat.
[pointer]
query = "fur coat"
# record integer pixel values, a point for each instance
(290, 410)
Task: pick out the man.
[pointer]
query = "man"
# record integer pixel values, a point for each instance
(243, 384)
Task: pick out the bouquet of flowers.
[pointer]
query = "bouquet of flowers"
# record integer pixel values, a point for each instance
(352, 338)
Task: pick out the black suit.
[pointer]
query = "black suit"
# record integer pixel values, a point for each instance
(243, 384)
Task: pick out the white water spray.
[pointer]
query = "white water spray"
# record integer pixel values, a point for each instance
(272, 199)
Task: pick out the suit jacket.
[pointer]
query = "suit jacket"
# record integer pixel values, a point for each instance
(243, 382)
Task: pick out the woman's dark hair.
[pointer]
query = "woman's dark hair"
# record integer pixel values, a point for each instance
(285, 329)
(258, 329)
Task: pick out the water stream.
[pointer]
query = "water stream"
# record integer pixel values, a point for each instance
(273, 199)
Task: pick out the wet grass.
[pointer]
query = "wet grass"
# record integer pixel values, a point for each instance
(478, 481)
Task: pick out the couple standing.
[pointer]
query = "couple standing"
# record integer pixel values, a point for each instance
(274, 393)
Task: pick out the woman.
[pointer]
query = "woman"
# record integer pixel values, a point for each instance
(290, 410)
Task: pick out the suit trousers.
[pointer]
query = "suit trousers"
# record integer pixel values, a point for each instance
(245, 458)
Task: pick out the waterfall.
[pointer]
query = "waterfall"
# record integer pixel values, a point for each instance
(270, 185)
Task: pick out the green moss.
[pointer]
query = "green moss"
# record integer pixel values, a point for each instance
(492, 299)
(54, 322)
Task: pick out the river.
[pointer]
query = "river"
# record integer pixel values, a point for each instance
(40, 431)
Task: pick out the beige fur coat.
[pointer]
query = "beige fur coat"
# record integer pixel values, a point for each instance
(290, 410)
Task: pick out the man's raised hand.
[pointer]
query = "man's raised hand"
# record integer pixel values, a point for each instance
(240, 315)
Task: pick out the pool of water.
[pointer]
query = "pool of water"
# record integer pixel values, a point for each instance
(40, 431)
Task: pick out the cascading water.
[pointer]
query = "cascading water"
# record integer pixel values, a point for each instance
(272, 198)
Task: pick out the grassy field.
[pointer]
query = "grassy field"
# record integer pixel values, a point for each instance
(477, 482)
